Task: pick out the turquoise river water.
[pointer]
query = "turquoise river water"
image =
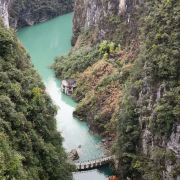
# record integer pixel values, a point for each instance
(44, 42)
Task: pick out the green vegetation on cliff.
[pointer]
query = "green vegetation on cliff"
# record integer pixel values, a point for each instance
(30, 146)
(154, 104)
(99, 72)
(133, 86)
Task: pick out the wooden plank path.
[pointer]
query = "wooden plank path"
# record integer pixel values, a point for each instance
(82, 166)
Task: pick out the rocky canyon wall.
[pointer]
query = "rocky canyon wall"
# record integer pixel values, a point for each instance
(122, 18)
(100, 14)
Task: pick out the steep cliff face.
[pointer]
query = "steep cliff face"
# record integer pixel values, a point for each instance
(90, 13)
(149, 117)
(102, 16)
(4, 11)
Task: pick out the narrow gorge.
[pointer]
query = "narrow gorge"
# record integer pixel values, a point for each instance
(125, 61)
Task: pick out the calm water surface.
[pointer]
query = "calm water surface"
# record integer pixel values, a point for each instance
(44, 42)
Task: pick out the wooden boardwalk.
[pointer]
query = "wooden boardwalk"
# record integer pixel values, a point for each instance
(82, 166)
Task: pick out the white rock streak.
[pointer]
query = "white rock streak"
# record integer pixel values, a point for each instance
(4, 12)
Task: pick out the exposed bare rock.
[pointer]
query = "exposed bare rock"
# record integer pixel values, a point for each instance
(4, 11)
(147, 141)
(73, 154)
(174, 142)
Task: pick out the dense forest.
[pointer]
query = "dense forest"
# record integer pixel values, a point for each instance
(29, 12)
(126, 64)
(30, 146)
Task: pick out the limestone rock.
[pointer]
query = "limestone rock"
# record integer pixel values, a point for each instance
(73, 154)
(4, 11)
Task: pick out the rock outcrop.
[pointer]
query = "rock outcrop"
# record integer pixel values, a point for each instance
(73, 155)
(4, 11)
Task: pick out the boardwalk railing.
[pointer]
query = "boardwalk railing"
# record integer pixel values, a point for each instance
(82, 166)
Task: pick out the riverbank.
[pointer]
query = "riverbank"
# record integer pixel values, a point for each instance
(44, 42)
(98, 89)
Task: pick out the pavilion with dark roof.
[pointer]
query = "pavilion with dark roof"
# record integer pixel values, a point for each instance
(67, 86)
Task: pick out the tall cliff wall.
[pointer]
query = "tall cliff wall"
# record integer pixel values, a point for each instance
(148, 134)
(101, 15)
(4, 11)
